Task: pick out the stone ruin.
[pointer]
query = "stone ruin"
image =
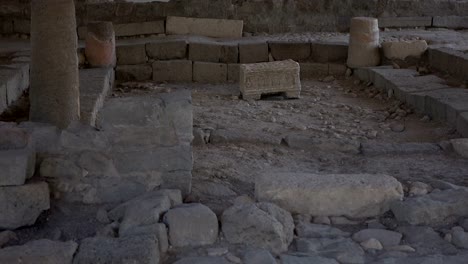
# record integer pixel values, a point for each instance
(125, 134)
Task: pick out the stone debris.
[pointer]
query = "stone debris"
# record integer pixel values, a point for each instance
(386, 237)
(352, 195)
(460, 237)
(40, 251)
(262, 225)
(191, 225)
(419, 188)
(319, 231)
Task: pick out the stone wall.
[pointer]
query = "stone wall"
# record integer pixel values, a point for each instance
(271, 16)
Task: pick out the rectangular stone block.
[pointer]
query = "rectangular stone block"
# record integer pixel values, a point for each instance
(462, 124)
(12, 79)
(272, 77)
(172, 71)
(447, 104)
(216, 28)
(336, 69)
(167, 50)
(390, 22)
(455, 22)
(141, 72)
(329, 52)
(233, 72)
(205, 51)
(136, 29)
(382, 77)
(284, 50)
(17, 165)
(253, 51)
(439, 58)
(311, 70)
(131, 54)
(229, 53)
(24, 68)
(207, 72)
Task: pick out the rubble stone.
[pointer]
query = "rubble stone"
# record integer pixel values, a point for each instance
(386, 237)
(40, 251)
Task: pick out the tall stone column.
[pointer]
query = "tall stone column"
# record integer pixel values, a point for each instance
(363, 42)
(100, 44)
(54, 92)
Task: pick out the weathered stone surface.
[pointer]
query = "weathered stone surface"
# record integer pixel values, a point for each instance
(363, 43)
(433, 208)
(401, 22)
(141, 72)
(371, 244)
(167, 50)
(203, 260)
(100, 44)
(216, 28)
(309, 230)
(45, 136)
(233, 72)
(11, 78)
(311, 143)
(460, 237)
(456, 22)
(291, 259)
(447, 104)
(253, 51)
(159, 230)
(398, 148)
(223, 136)
(136, 29)
(3, 97)
(289, 50)
(134, 249)
(404, 49)
(40, 251)
(460, 145)
(172, 71)
(206, 51)
(191, 225)
(207, 72)
(426, 241)
(261, 225)
(313, 70)
(131, 54)
(17, 166)
(462, 124)
(386, 237)
(21, 205)
(352, 195)
(272, 77)
(325, 52)
(344, 250)
(258, 257)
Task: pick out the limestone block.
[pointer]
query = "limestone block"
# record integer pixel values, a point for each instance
(17, 166)
(229, 52)
(253, 51)
(207, 72)
(402, 22)
(329, 52)
(40, 251)
(282, 50)
(233, 72)
(167, 50)
(351, 195)
(456, 22)
(131, 54)
(172, 71)
(21, 205)
(141, 72)
(191, 225)
(205, 51)
(12, 79)
(272, 77)
(312, 70)
(363, 43)
(100, 44)
(462, 124)
(447, 104)
(404, 49)
(216, 28)
(136, 29)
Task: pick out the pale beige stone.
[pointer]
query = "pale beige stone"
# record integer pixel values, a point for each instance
(216, 28)
(363, 43)
(270, 77)
(404, 49)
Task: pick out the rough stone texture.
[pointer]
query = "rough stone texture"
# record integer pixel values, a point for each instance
(100, 44)
(401, 22)
(433, 208)
(191, 225)
(172, 71)
(207, 72)
(131, 54)
(311, 70)
(404, 49)
(363, 43)
(351, 195)
(456, 22)
(462, 124)
(344, 250)
(137, 29)
(159, 230)
(11, 82)
(203, 260)
(17, 166)
(311, 143)
(447, 104)
(54, 79)
(3, 97)
(253, 51)
(290, 50)
(21, 205)
(319, 231)
(40, 251)
(325, 52)
(167, 49)
(272, 77)
(135, 249)
(426, 241)
(233, 72)
(386, 237)
(460, 146)
(261, 225)
(258, 257)
(206, 51)
(142, 72)
(291, 259)
(460, 237)
(216, 28)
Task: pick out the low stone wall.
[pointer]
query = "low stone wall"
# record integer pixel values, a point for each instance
(454, 62)
(270, 16)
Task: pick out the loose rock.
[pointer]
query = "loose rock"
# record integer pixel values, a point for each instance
(40, 251)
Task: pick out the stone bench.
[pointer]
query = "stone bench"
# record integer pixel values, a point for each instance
(271, 77)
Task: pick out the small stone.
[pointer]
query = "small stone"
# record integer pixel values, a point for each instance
(425, 119)
(328, 79)
(386, 237)
(419, 188)
(459, 237)
(348, 72)
(319, 231)
(101, 216)
(397, 127)
(40, 251)
(260, 256)
(372, 243)
(448, 237)
(464, 224)
(216, 252)
(233, 258)
(341, 220)
(6, 236)
(322, 220)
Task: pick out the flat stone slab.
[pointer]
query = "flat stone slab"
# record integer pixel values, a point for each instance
(447, 104)
(405, 22)
(21, 205)
(40, 251)
(351, 195)
(456, 22)
(270, 77)
(216, 28)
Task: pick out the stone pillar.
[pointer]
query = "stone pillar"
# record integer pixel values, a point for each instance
(363, 43)
(100, 44)
(54, 92)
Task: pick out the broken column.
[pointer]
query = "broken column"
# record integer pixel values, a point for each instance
(363, 43)
(54, 92)
(100, 44)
